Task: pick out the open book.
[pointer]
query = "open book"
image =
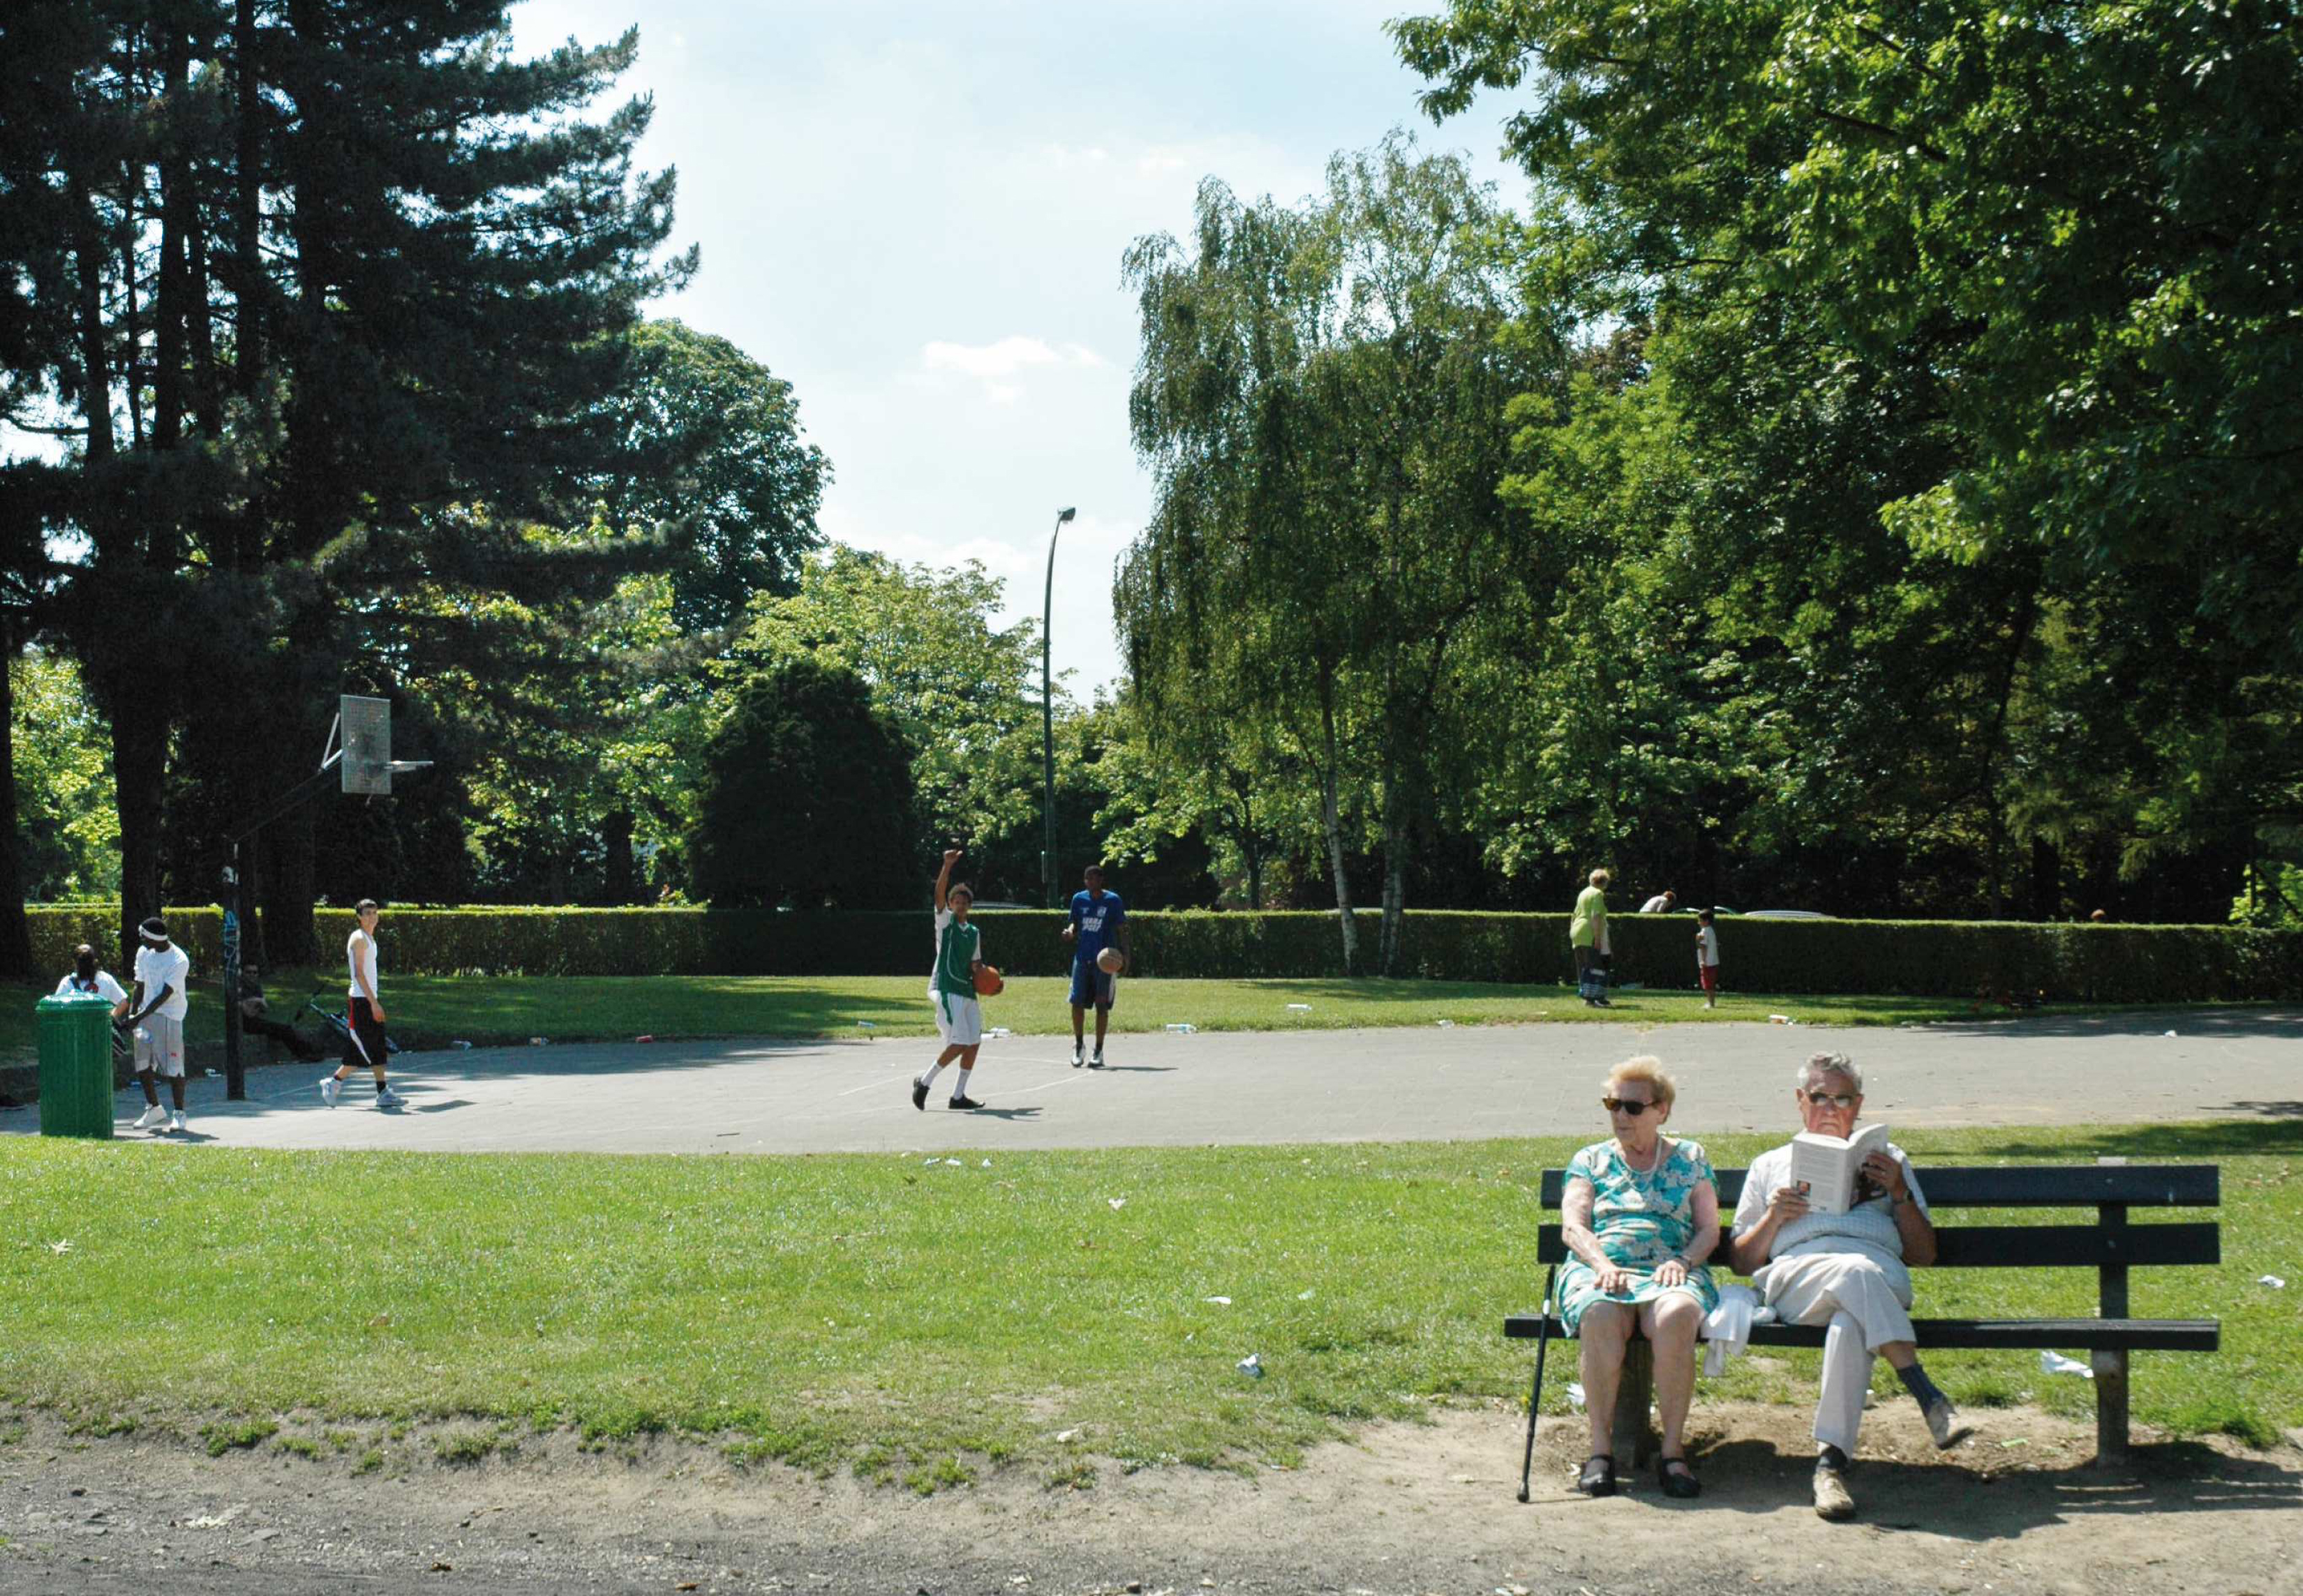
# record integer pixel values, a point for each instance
(1825, 1168)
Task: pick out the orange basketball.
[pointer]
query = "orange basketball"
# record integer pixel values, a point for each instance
(1109, 961)
(988, 983)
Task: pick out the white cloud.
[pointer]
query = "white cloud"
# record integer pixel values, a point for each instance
(1004, 358)
(999, 366)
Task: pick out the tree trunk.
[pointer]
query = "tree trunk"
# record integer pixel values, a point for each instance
(139, 764)
(1395, 880)
(623, 878)
(1332, 823)
(15, 935)
(2047, 880)
(289, 939)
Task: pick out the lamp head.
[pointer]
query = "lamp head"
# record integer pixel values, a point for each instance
(1063, 515)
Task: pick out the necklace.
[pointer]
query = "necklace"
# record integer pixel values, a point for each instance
(1655, 1160)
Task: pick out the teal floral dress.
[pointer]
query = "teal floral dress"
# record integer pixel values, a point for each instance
(1641, 1219)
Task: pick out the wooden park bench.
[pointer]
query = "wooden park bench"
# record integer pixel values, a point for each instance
(2110, 1246)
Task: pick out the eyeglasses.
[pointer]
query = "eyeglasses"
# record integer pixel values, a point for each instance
(1625, 1105)
(1838, 1099)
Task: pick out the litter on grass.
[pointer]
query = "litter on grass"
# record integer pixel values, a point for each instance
(1221, 1302)
(1575, 1396)
(1116, 1204)
(2055, 1363)
(462, 1046)
(1447, 1025)
(2273, 1282)
(999, 1031)
(1303, 1295)
(865, 1025)
(1251, 1365)
(1183, 1029)
(1779, 1019)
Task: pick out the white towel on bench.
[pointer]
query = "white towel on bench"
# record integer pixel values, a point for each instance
(1727, 1328)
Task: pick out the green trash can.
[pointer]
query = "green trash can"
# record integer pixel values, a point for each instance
(76, 1065)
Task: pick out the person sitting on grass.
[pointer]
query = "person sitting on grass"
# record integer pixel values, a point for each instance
(1852, 1271)
(1641, 1214)
(255, 1019)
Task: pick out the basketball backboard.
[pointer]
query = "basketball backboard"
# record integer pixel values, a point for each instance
(366, 765)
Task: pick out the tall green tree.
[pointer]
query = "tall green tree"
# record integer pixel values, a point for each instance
(1322, 395)
(806, 795)
(358, 281)
(2043, 255)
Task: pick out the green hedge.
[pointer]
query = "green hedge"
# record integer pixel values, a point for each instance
(2115, 963)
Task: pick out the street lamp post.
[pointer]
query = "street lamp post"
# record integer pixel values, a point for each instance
(1048, 716)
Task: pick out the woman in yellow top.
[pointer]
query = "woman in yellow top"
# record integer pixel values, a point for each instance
(1588, 933)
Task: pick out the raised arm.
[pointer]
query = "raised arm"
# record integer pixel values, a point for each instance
(943, 876)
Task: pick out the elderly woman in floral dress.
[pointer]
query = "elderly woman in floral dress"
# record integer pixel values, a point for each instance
(1641, 1214)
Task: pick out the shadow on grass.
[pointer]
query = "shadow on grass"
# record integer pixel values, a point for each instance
(2229, 1138)
(1966, 1504)
(2276, 1024)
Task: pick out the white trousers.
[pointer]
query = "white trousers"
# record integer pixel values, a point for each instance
(1864, 1306)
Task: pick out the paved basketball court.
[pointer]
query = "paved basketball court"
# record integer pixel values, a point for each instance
(1302, 1086)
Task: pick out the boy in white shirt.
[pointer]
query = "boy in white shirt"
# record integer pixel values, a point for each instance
(363, 1041)
(157, 1019)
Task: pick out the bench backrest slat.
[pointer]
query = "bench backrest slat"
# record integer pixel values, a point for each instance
(2022, 1246)
(1984, 1186)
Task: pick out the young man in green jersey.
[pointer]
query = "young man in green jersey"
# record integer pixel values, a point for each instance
(951, 986)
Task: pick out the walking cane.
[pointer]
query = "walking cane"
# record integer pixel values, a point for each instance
(1535, 1396)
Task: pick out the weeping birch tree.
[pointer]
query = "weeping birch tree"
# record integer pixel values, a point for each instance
(1320, 396)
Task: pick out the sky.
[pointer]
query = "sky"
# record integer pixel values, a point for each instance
(915, 213)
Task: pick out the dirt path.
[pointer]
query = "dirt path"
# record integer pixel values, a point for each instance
(1408, 1509)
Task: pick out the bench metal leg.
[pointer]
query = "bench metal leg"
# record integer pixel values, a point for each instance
(1632, 1437)
(2110, 1406)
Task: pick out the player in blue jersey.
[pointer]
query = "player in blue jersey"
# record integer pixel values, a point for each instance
(1098, 921)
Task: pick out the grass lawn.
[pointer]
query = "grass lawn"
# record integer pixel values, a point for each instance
(430, 1010)
(919, 1319)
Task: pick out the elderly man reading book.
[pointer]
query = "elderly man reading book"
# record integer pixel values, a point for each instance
(1829, 1228)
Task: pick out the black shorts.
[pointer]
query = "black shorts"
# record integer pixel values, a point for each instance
(364, 1047)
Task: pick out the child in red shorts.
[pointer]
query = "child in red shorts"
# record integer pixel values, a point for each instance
(1707, 958)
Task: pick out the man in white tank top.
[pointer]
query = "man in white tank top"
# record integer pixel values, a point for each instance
(363, 1042)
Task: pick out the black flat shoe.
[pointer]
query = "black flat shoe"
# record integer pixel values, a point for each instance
(966, 1103)
(1599, 1476)
(1681, 1484)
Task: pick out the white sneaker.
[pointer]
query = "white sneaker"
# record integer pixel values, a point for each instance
(1079, 1054)
(330, 1086)
(176, 1122)
(390, 1099)
(150, 1118)
(1096, 1061)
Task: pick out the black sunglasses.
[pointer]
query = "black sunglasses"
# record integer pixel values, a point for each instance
(1625, 1105)
(1838, 1099)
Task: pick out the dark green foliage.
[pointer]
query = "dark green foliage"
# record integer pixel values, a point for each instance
(2079, 963)
(806, 795)
(707, 434)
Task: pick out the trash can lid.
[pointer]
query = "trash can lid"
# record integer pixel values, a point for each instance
(59, 1001)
